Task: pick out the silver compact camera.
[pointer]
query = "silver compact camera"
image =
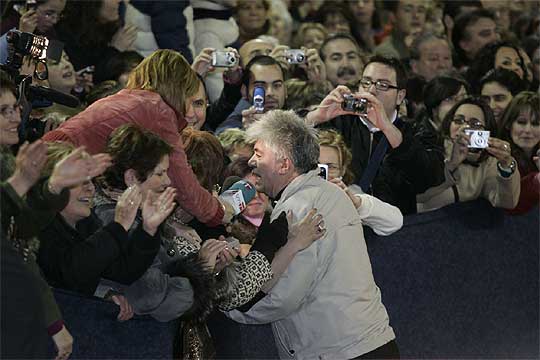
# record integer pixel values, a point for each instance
(479, 138)
(224, 59)
(352, 104)
(295, 56)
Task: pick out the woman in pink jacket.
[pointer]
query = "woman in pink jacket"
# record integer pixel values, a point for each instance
(158, 97)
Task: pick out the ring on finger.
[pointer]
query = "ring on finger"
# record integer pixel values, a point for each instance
(320, 228)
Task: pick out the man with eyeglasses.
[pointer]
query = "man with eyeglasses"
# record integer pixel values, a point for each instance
(389, 160)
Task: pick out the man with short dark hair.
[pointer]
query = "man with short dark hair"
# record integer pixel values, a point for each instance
(410, 18)
(472, 31)
(341, 56)
(262, 71)
(389, 159)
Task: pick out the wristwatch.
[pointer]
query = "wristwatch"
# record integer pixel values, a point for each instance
(507, 172)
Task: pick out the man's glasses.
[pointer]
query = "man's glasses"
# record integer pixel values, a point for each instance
(379, 85)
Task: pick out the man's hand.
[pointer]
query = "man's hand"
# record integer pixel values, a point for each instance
(126, 311)
(233, 75)
(330, 107)
(278, 53)
(314, 66)
(249, 116)
(28, 165)
(64, 344)
(156, 208)
(28, 21)
(127, 206)
(202, 64)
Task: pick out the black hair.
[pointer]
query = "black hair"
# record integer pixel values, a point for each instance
(339, 36)
(331, 7)
(489, 119)
(440, 88)
(507, 78)
(453, 9)
(484, 62)
(459, 32)
(6, 83)
(394, 63)
(264, 60)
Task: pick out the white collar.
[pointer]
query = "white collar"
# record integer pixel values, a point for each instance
(372, 127)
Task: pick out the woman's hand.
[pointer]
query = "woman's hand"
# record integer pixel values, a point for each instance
(28, 165)
(64, 344)
(126, 311)
(77, 168)
(460, 150)
(156, 208)
(357, 201)
(209, 252)
(501, 150)
(303, 233)
(124, 38)
(127, 206)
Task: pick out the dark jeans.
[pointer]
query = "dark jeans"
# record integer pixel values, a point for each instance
(387, 351)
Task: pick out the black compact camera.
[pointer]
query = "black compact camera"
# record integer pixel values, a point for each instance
(352, 104)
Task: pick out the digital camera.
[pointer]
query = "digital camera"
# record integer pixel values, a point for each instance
(258, 99)
(295, 56)
(224, 59)
(352, 104)
(323, 171)
(232, 241)
(479, 138)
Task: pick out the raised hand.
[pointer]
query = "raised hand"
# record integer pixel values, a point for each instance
(500, 149)
(127, 206)
(156, 208)
(278, 53)
(202, 64)
(28, 165)
(124, 38)
(330, 107)
(77, 168)
(28, 21)
(315, 68)
(460, 149)
(249, 116)
(303, 233)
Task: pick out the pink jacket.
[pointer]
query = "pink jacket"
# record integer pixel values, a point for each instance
(147, 109)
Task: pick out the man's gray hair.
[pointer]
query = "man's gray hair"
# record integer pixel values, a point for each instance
(289, 137)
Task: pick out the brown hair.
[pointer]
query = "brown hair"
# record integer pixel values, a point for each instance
(56, 151)
(332, 138)
(167, 73)
(205, 155)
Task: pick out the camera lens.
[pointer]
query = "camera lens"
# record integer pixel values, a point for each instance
(300, 58)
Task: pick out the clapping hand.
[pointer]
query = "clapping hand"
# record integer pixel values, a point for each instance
(127, 206)
(156, 208)
(28, 165)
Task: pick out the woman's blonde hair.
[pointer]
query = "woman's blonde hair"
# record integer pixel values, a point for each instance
(56, 151)
(301, 33)
(333, 139)
(167, 73)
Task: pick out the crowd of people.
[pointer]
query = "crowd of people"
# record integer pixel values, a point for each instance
(341, 114)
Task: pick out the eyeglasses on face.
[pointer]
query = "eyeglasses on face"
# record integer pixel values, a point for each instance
(473, 123)
(379, 85)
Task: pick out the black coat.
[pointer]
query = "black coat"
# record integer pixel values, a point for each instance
(410, 169)
(76, 259)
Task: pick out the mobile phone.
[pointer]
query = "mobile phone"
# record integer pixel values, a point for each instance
(323, 171)
(31, 5)
(258, 99)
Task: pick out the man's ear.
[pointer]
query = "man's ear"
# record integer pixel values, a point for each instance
(414, 66)
(285, 166)
(400, 96)
(130, 178)
(244, 92)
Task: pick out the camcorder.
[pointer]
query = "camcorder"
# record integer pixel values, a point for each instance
(224, 59)
(352, 104)
(295, 56)
(38, 49)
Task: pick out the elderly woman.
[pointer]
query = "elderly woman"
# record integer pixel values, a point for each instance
(30, 309)
(521, 128)
(471, 173)
(382, 217)
(159, 97)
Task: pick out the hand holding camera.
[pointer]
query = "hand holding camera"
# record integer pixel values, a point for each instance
(124, 38)
(28, 21)
(501, 151)
(202, 64)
